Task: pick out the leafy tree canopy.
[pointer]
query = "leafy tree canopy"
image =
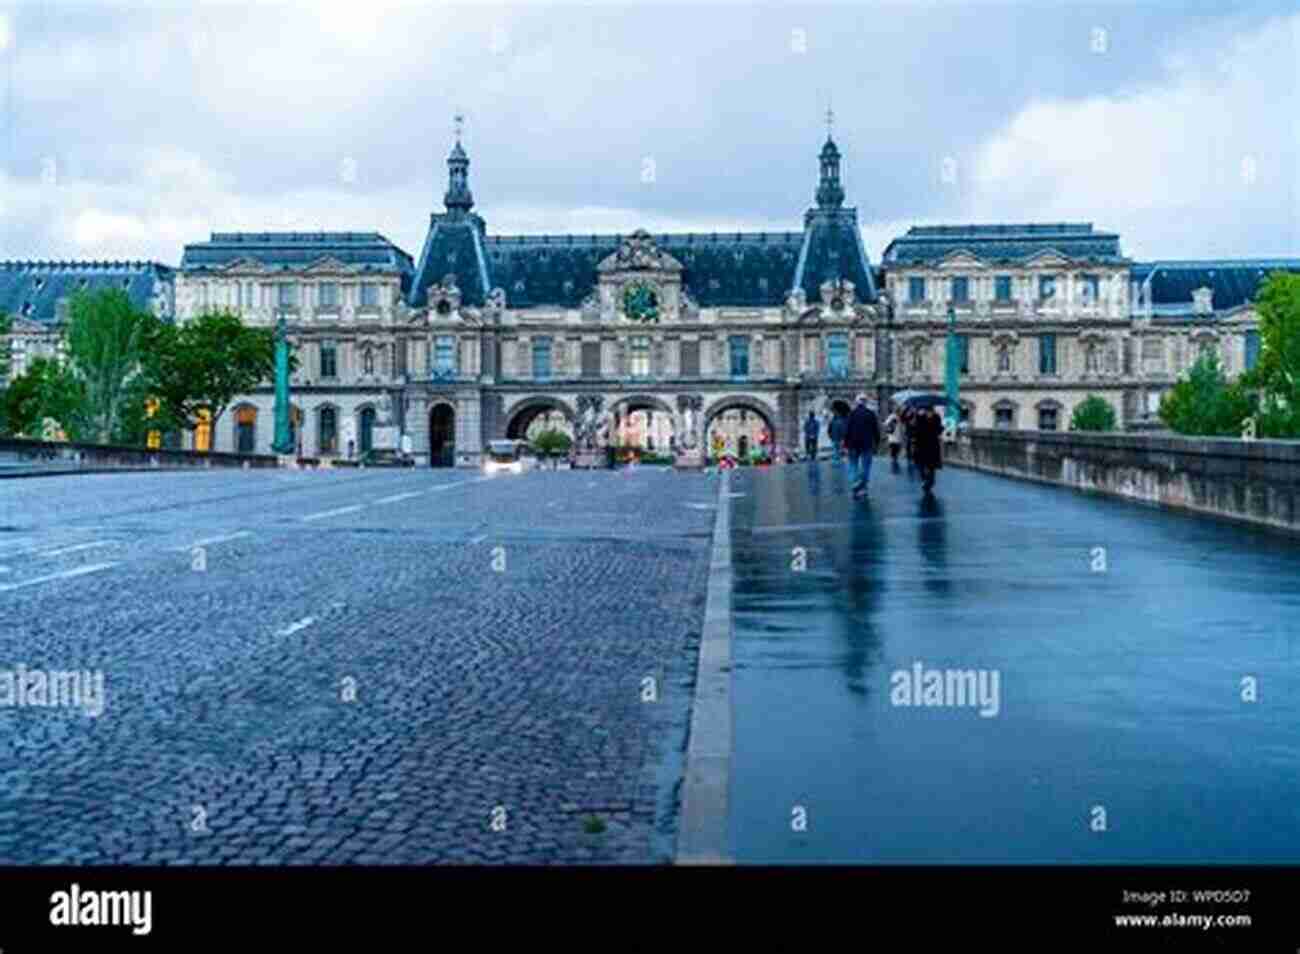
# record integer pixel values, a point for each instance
(1093, 413)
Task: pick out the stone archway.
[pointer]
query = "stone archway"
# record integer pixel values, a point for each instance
(645, 421)
(442, 435)
(739, 424)
(527, 412)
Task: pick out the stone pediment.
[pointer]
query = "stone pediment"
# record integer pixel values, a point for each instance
(329, 263)
(1049, 257)
(639, 253)
(962, 258)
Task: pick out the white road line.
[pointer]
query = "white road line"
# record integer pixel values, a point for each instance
(79, 571)
(295, 627)
(74, 549)
(208, 541)
(333, 513)
(480, 538)
(396, 497)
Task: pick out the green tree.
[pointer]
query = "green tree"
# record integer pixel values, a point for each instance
(1093, 413)
(106, 335)
(552, 441)
(1205, 403)
(1276, 378)
(6, 326)
(47, 388)
(204, 365)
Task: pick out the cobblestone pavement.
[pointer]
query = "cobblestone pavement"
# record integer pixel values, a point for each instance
(350, 667)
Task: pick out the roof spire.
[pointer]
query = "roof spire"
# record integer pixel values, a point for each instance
(830, 194)
(458, 198)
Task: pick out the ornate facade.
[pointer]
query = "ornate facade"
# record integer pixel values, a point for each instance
(686, 335)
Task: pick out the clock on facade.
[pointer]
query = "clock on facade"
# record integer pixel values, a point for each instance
(640, 302)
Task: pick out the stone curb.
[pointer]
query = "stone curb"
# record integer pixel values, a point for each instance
(703, 832)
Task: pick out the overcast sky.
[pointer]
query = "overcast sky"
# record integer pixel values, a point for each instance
(128, 130)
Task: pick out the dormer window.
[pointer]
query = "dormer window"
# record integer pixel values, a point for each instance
(27, 309)
(39, 284)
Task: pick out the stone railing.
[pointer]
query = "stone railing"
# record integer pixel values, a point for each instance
(21, 456)
(1256, 482)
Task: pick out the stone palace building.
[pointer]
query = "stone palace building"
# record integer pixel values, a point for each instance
(671, 339)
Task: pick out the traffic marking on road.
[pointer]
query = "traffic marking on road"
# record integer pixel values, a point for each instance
(295, 627)
(73, 549)
(79, 571)
(333, 513)
(396, 497)
(209, 541)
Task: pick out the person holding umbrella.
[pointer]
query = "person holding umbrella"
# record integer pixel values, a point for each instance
(928, 454)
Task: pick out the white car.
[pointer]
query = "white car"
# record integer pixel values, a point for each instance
(510, 457)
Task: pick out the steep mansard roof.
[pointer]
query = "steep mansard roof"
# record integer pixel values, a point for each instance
(1169, 285)
(295, 250)
(32, 290)
(1012, 243)
(744, 269)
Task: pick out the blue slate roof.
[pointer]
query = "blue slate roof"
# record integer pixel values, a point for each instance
(1010, 243)
(32, 290)
(1170, 284)
(296, 250)
(743, 269)
(834, 250)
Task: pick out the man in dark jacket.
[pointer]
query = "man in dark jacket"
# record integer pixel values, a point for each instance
(929, 442)
(860, 439)
(810, 430)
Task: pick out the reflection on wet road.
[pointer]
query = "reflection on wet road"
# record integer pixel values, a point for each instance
(1007, 672)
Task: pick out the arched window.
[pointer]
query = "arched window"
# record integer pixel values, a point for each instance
(328, 430)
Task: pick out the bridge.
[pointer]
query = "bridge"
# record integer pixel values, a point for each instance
(434, 666)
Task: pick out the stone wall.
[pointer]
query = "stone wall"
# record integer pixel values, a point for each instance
(1256, 482)
(19, 456)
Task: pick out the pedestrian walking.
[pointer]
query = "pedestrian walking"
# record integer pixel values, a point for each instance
(861, 437)
(839, 424)
(894, 428)
(929, 447)
(810, 431)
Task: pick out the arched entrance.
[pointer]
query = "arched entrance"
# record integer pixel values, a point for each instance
(442, 436)
(740, 427)
(643, 422)
(532, 417)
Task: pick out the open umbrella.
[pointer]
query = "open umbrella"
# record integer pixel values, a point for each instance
(919, 399)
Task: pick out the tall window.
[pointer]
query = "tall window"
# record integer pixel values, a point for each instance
(369, 295)
(1047, 354)
(1002, 287)
(541, 358)
(329, 295)
(639, 363)
(1091, 290)
(444, 355)
(916, 289)
(329, 359)
(837, 353)
(248, 294)
(1047, 418)
(245, 429)
(690, 359)
(1252, 349)
(739, 356)
(1004, 417)
(591, 359)
(328, 430)
(963, 353)
(1046, 287)
(961, 289)
(367, 429)
(288, 294)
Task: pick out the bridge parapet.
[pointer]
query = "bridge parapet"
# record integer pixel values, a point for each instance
(1256, 482)
(19, 456)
